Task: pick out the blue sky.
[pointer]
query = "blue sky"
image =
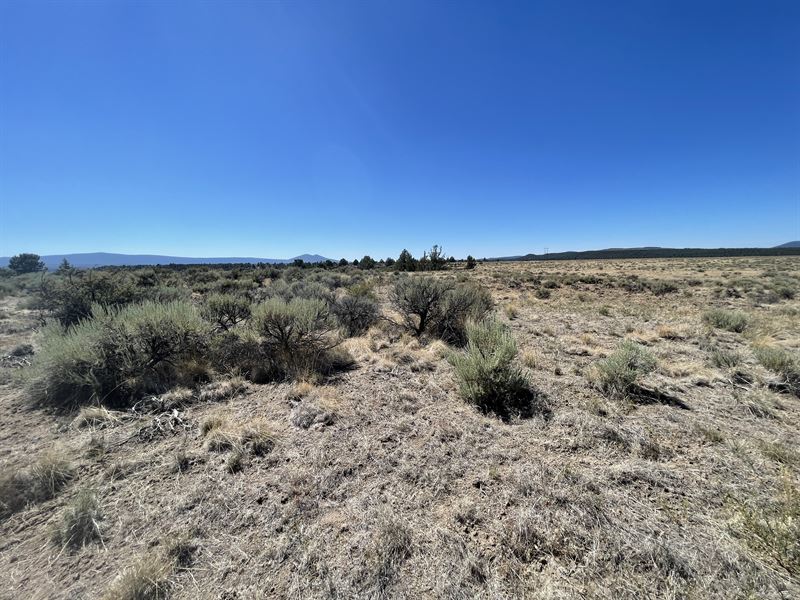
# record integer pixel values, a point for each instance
(345, 128)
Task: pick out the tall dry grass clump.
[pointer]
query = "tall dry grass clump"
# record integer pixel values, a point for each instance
(42, 481)
(784, 363)
(80, 522)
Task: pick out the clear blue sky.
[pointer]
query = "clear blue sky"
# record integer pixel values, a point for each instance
(345, 128)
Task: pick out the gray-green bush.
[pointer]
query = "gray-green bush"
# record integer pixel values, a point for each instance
(438, 307)
(485, 370)
(119, 355)
(729, 320)
(463, 303)
(71, 299)
(419, 300)
(80, 522)
(662, 288)
(225, 311)
(298, 335)
(241, 352)
(725, 359)
(356, 314)
(618, 373)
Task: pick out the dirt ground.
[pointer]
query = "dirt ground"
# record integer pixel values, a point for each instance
(382, 482)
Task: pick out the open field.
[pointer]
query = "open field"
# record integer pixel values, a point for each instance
(655, 452)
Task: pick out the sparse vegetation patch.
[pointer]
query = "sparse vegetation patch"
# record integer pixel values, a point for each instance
(728, 320)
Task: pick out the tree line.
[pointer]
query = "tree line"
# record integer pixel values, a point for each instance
(431, 260)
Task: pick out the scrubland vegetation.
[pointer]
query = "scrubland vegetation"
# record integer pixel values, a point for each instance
(402, 428)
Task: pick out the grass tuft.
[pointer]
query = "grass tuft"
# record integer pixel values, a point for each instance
(80, 522)
(39, 483)
(783, 363)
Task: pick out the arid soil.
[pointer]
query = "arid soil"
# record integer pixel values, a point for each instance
(382, 482)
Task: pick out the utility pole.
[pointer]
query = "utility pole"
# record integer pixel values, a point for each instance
(545, 251)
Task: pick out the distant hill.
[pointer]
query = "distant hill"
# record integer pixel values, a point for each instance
(656, 252)
(795, 244)
(106, 259)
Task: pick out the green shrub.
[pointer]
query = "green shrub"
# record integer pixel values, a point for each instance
(71, 299)
(618, 373)
(485, 369)
(118, 355)
(436, 306)
(225, 310)
(462, 304)
(64, 371)
(298, 289)
(773, 528)
(356, 314)
(298, 334)
(420, 301)
(728, 320)
(312, 290)
(331, 281)
(240, 352)
(167, 293)
(662, 288)
(632, 284)
(235, 286)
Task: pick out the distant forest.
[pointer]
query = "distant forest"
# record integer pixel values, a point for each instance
(619, 253)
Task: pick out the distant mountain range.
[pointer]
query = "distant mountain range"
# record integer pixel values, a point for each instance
(106, 259)
(790, 248)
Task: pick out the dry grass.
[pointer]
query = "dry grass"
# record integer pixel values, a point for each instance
(772, 528)
(95, 416)
(42, 481)
(222, 390)
(380, 481)
(80, 522)
(255, 437)
(146, 579)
